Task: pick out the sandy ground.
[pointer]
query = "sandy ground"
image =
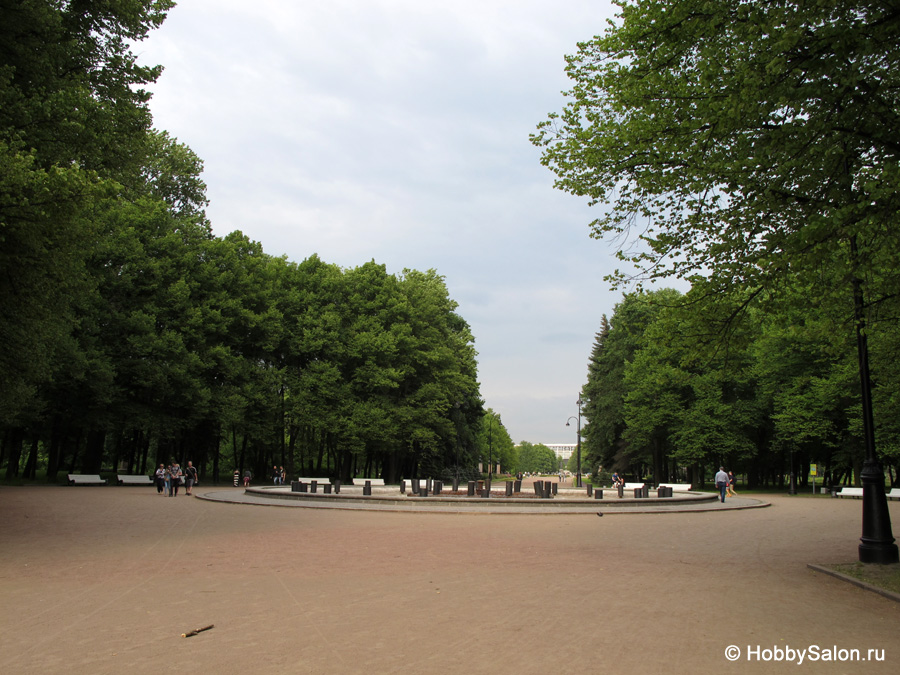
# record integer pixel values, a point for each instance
(106, 579)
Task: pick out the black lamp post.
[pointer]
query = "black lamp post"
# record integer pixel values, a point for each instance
(578, 444)
(491, 447)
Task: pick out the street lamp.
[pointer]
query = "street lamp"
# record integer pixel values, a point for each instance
(578, 444)
(491, 447)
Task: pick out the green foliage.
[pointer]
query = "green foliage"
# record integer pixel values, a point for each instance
(750, 148)
(130, 335)
(536, 458)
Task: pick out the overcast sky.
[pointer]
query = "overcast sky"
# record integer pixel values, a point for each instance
(397, 131)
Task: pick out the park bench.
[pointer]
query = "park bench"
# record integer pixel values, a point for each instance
(677, 487)
(850, 492)
(85, 479)
(634, 486)
(128, 479)
(307, 483)
(893, 494)
(372, 481)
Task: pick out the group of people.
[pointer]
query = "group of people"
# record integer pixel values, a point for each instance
(170, 478)
(725, 483)
(278, 475)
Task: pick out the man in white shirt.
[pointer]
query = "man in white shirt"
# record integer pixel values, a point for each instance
(722, 482)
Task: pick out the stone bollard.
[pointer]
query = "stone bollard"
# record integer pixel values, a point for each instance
(304, 487)
(539, 488)
(471, 490)
(295, 486)
(327, 488)
(598, 494)
(367, 489)
(402, 487)
(337, 487)
(486, 491)
(645, 491)
(456, 484)
(660, 491)
(621, 489)
(554, 488)
(416, 484)
(313, 484)
(517, 486)
(548, 489)
(638, 493)
(590, 490)
(438, 487)
(509, 489)
(423, 489)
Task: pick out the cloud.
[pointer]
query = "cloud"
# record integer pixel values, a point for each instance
(398, 131)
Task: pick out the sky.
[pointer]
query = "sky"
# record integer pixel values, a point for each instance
(397, 131)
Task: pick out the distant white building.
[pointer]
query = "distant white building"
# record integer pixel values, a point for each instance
(562, 450)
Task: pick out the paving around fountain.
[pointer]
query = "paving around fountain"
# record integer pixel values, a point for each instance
(98, 580)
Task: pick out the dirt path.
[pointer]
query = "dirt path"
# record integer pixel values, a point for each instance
(105, 580)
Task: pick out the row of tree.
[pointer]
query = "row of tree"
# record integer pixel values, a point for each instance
(666, 398)
(750, 149)
(130, 335)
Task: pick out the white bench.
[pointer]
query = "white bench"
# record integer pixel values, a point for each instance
(85, 479)
(319, 481)
(373, 481)
(850, 492)
(128, 479)
(632, 486)
(677, 487)
(893, 494)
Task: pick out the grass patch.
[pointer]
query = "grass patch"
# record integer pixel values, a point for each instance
(886, 577)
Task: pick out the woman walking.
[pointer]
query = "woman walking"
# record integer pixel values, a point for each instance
(175, 478)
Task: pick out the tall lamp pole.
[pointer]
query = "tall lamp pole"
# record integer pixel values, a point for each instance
(491, 448)
(578, 443)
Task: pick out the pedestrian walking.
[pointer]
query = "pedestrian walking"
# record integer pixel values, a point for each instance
(722, 482)
(190, 477)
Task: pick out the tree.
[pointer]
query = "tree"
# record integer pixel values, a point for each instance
(750, 144)
(536, 458)
(73, 118)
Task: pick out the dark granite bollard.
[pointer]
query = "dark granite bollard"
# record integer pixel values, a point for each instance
(438, 487)
(638, 493)
(416, 485)
(621, 489)
(590, 490)
(598, 494)
(313, 484)
(509, 489)
(337, 487)
(548, 489)
(295, 486)
(486, 491)
(471, 490)
(455, 484)
(645, 491)
(367, 488)
(554, 488)
(326, 488)
(402, 487)
(539, 488)
(517, 486)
